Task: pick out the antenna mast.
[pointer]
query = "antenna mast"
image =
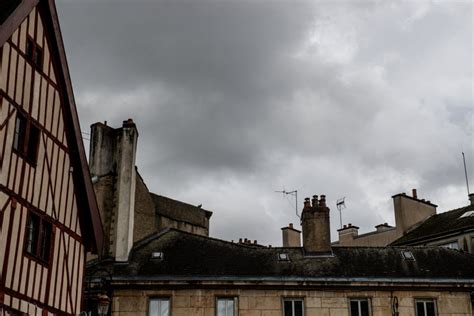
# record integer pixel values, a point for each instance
(295, 194)
(465, 173)
(341, 204)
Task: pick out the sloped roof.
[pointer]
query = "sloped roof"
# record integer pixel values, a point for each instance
(191, 257)
(439, 225)
(6, 8)
(87, 205)
(179, 210)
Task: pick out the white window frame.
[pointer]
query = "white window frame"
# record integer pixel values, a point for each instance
(159, 300)
(358, 300)
(227, 298)
(450, 244)
(424, 301)
(293, 299)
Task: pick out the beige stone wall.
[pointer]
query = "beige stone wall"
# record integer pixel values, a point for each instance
(465, 242)
(269, 302)
(376, 239)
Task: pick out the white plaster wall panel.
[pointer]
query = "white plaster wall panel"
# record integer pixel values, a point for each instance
(29, 291)
(27, 90)
(23, 280)
(36, 95)
(31, 24)
(54, 267)
(11, 81)
(4, 65)
(23, 29)
(19, 81)
(3, 237)
(19, 254)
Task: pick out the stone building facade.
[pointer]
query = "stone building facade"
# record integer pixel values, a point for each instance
(178, 273)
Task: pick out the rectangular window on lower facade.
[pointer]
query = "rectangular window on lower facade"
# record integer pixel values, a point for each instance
(293, 307)
(226, 306)
(159, 306)
(359, 306)
(425, 307)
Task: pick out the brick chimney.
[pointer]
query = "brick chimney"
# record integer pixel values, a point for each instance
(315, 222)
(291, 236)
(112, 165)
(409, 211)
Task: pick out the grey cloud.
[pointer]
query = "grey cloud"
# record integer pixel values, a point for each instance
(237, 99)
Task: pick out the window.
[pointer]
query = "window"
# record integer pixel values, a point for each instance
(38, 237)
(34, 53)
(425, 307)
(159, 307)
(359, 306)
(293, 307)
(226, 306)
(26, 138)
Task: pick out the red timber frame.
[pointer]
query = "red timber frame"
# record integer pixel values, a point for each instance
(57, 188)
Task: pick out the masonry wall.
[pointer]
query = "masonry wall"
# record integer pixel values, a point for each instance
(269, 302)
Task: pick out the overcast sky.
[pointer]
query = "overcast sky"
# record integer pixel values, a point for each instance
(235, 100)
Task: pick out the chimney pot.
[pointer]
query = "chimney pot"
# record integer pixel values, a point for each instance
(345, 226)
(413, 191)
(314, 201)
(471, 198)
(255, 241)
(290, 225)
(322, 201)
(240, 240)
(306, 202)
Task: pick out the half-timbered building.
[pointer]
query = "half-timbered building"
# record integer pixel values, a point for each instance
(48, 211)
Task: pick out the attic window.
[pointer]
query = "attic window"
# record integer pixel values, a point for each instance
(283, 257)
(408, 255)
(467, 214)
(157, 255)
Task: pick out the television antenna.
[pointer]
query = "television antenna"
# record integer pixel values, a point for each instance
(292, 193)
(465, 173)
(341, 204)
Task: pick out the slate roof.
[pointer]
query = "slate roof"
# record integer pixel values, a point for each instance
(191, 256)
(439, 225)
(180, 211)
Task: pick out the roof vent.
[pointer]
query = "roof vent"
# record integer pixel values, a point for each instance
(408, 255)
(467, 214)
(283, 257)
(157, 255)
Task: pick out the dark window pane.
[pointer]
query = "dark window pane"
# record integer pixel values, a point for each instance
(298, 308)
(45, 241)
(420, 309)
(32, 231)
(354, 308)
(38, 57)
(32, 152)
(29, 48)
(364, 307)
(20, 133)
(430, 309)
(288, 308)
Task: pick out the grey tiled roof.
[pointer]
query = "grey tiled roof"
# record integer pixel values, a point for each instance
(439, 225)
(192, 256)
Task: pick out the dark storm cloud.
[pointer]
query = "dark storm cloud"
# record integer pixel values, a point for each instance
(237, 99)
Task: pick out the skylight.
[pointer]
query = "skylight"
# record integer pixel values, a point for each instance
(407, 255)
(283, 257)
(467, 214)
(157, 255)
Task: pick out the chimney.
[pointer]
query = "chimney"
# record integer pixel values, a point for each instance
(347, 234)
(291, 236)
(410, 211)
(315, 222)
(112, 163)
(471, 198)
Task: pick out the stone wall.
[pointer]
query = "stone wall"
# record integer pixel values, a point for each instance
(269, 302)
